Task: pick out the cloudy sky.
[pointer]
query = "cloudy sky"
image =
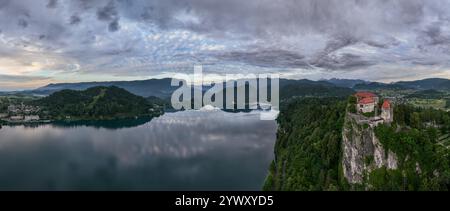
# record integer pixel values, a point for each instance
(49, 41)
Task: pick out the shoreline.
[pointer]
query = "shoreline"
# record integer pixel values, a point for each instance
(7, 122)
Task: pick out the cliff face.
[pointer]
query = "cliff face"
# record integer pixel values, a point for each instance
(362, 151)
(321, 146)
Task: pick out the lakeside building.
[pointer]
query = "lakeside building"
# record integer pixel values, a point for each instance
(22, 109)
(16, 118)
(31, 118)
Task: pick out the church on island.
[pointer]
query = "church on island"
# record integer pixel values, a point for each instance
(367, 102)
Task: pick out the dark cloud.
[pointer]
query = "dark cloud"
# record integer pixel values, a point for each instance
(88, 4)
(55, 33)
(266, 58)
(22, 23)
(434, 39)
(52, 3)
(114, 25)
(342, 62)
(338, 43)
(4, 3)
(109, 14)
(74, 20)
(433, 35)
(386, 44)
(328, 59)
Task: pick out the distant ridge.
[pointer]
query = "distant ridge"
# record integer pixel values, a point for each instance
(431, 83)
(377, 86)
(348, 83)
(161, 88)
(425, 84)
(153, 87)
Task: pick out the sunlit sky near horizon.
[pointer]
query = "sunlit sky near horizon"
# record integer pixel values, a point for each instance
(52, 41)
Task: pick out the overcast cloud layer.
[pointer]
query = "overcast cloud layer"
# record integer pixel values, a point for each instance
(86, 40)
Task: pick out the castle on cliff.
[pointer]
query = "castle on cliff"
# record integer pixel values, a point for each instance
(367, 102)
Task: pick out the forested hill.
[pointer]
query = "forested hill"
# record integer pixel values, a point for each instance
(309, 151)
(96, 103)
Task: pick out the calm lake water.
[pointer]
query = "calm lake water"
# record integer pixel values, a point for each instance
(191, 150)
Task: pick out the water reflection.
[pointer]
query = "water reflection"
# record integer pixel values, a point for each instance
(191, 150)
(108, 124)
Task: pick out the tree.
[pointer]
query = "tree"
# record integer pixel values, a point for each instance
(352, 104)
(415, 121)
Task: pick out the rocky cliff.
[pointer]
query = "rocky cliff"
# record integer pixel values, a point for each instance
(362, 151)
(321, 146)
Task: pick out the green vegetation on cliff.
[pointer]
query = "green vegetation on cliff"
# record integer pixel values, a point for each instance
(308, 146)
(96, 103)
(308, 151)
(420, 139)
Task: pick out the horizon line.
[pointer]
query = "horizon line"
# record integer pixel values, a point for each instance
(167, 78)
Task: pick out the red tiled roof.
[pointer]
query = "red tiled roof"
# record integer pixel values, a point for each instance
(367, 100)
(365, 94)
(386, 104)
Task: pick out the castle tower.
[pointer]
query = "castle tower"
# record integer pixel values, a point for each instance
(386, 111)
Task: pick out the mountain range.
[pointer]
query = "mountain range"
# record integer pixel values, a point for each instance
(162, 88)
(349, 83)
(425, 84)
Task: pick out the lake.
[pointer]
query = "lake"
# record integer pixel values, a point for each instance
(189, 150)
